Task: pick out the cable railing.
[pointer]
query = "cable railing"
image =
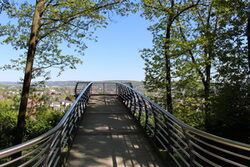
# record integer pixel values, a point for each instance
(79, 87)
(104, 88)
(49, 149)
(186, 145)
(100, 88)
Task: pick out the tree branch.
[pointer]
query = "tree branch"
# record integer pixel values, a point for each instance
(183, 10)
(193, 59)
(75, 16)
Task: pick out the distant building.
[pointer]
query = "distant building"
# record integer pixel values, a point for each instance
(12, 92)
(38, 93)
(66, 103)
(55, 105)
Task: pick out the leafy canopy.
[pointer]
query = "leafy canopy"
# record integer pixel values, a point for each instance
(64, 23)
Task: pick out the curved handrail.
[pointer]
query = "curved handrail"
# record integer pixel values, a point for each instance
(83, 85)
(190, 128)
(51, 136)
(186, 145)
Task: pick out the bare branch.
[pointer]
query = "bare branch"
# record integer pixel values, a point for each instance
(183, 10)
(69, 19)
(193, 59)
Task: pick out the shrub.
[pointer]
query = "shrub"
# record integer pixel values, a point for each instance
(230, 112)
(44, 120)
(8, 120)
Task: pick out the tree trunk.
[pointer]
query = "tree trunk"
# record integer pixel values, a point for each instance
(168, 70)
(248, 40)
(207, 83)
(206, 105)
(28, 72)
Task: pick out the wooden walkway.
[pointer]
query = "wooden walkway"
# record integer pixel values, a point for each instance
(109, 137)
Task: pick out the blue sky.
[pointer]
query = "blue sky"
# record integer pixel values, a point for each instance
(114, 57)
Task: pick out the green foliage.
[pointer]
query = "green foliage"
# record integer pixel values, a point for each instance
(8, 119)
(161, 60)
(42, 28)
(190, 112)
(4, 4)
(45, 120)
(207, 48)
(64, 23)
(230, 112)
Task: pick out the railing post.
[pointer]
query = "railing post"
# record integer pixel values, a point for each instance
(86, 100)
(91, 90)
(122, 93)
(47, 152)
(190, 148)
(130, 99)
(79, 112)
(51, 158)
(76, 94)
(103, 88)
(170, 142)
(134, 103)
(146, 113)
(126, 96)
(60, 149)
(88, 94)
(155, 121)
(140, 108)
(116, 91)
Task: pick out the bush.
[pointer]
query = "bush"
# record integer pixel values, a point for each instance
(230, 113)
(190, 112)
(44, 120)
(8, 119)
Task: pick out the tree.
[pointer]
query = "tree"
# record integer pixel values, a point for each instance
(248, 37)
(202, 50)
(230, 113)
(165, 14)
(215, 46)
(207, 44)
(41, 28)
(3, 5)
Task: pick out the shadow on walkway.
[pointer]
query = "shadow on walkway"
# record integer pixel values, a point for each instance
(109, 137)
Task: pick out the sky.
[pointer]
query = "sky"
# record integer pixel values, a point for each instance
(115, 56)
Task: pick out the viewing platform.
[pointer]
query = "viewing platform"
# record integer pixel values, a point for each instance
(108, 136)
(111, 124)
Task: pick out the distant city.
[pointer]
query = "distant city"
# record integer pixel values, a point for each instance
(59, 95)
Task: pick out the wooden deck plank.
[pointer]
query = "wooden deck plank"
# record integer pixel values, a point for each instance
(109, 137)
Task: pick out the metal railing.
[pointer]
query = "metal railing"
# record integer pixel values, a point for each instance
(50, 148)
(186, 145)
(108, 88)
(79, 87)
(103, 87)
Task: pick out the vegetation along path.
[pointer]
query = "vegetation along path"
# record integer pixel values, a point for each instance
(108, 136)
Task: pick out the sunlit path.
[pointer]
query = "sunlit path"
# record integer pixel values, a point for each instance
(108, 136)
(112, 124)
